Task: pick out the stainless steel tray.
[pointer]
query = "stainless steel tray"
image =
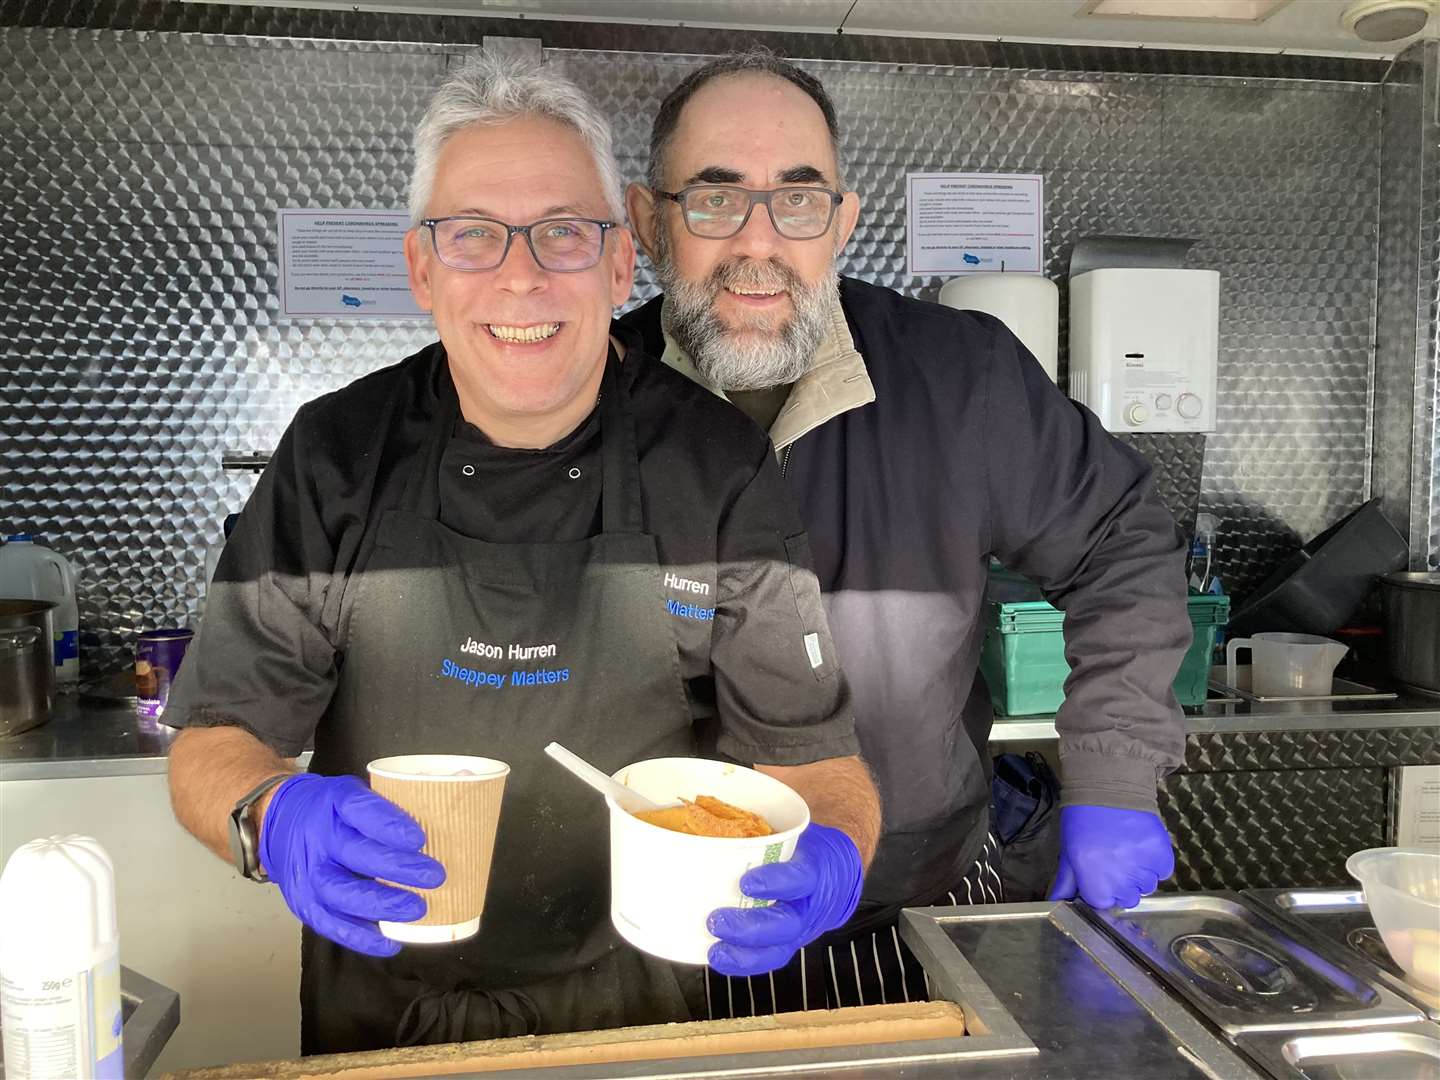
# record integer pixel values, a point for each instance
(1093, 1010)
(1340, 689)
(1409, 1053)
(1245, 971)
(1342, 917)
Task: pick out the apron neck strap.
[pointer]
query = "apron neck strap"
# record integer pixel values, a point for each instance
(422, 489)
(620, 460)
(620, 501)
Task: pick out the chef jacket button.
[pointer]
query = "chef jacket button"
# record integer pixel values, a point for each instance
(468, 470)
(574, 472)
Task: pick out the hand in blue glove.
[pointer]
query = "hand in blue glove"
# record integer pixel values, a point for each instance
(815, 891)
(1111, 857)
(324, 839)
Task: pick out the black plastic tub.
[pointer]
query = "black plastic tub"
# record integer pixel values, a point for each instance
(1317, 589)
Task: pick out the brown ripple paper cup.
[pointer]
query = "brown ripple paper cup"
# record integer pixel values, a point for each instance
(456, 800)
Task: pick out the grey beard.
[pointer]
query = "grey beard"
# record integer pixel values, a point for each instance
(750, 359)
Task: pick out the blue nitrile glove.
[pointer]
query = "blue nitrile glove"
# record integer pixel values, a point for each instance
(1111, 857)
(324, 839)
(815, 891)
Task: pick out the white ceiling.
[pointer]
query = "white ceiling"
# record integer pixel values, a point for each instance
(1301, 26)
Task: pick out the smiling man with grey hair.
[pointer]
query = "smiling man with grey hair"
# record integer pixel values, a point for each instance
(521, 534)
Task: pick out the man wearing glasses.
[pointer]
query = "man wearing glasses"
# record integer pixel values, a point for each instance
(523, 533)
(918, 442)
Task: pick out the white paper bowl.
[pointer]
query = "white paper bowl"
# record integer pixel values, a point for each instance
(664, 884)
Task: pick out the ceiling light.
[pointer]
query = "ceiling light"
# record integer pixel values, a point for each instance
(1387, 20)
(1233, 11)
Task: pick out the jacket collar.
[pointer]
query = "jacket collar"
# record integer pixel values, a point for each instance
(836, 382)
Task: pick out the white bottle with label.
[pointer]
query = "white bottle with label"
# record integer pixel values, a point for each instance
(60, 962)
(32, 571)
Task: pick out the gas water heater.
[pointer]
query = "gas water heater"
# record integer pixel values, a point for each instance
(1144, 343)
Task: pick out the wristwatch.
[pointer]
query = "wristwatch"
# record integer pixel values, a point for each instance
(244, 837)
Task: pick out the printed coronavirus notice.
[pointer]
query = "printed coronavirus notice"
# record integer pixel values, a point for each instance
(345, 264)
(970, 223)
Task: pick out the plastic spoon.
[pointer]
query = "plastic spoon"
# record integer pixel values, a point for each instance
(628, 799)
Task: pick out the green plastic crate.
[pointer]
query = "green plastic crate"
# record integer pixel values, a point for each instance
(1023, 658)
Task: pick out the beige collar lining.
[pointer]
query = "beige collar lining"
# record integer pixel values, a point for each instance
(836, 383)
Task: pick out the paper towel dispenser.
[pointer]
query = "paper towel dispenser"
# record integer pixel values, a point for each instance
(1027, 303)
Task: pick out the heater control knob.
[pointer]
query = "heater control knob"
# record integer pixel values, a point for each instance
(1136, 414)
(1162, 401)
(1188, 406)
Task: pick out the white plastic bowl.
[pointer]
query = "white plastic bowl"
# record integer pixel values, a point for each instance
(1402, 888)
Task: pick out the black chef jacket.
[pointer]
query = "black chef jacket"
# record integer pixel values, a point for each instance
(267, 657)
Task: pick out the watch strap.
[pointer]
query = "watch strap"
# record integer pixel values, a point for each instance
(244, 837)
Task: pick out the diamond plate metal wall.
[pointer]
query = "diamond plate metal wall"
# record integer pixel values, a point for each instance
(1252, 807)
(1428, 401)
(140, 171)
(1347, 748)
(1263, 173)
(1407, 433)
(1244, 830)
(139, 327)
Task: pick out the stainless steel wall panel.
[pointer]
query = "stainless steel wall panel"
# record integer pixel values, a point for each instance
(164, 89)
(1398, 262)
(1288, 805)
(141, 171)
(1290, 454)
(139, 336)
(1178, 462)
(1427, 402)
(1407, 444)
(1243, 830)
(1349, 748)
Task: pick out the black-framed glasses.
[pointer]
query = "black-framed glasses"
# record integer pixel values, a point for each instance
(561, 245)
(718, 211)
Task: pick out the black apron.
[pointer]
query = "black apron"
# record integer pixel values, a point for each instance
(595, 666)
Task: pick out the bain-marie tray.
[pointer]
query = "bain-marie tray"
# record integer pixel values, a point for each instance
(1246, 971)
(1411, 1053)
(1340, 916)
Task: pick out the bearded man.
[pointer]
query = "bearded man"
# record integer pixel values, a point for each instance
(919, 442)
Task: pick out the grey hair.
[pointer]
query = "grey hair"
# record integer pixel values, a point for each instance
(491, 88)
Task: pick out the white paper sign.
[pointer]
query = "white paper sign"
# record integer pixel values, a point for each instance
(1418, 820)
(967, 223)
(345, 264)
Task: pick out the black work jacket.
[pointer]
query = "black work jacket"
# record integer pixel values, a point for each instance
(969, 451)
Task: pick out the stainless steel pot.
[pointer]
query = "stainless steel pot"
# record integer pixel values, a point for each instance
(1412, 627)
(27, 664)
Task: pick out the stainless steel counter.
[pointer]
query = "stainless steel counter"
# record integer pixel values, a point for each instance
(1048, 993)
(85, 738)
(88, 738)
(1221, 716)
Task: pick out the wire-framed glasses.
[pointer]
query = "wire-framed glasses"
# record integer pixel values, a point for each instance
(716, 212)
(561, 245)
